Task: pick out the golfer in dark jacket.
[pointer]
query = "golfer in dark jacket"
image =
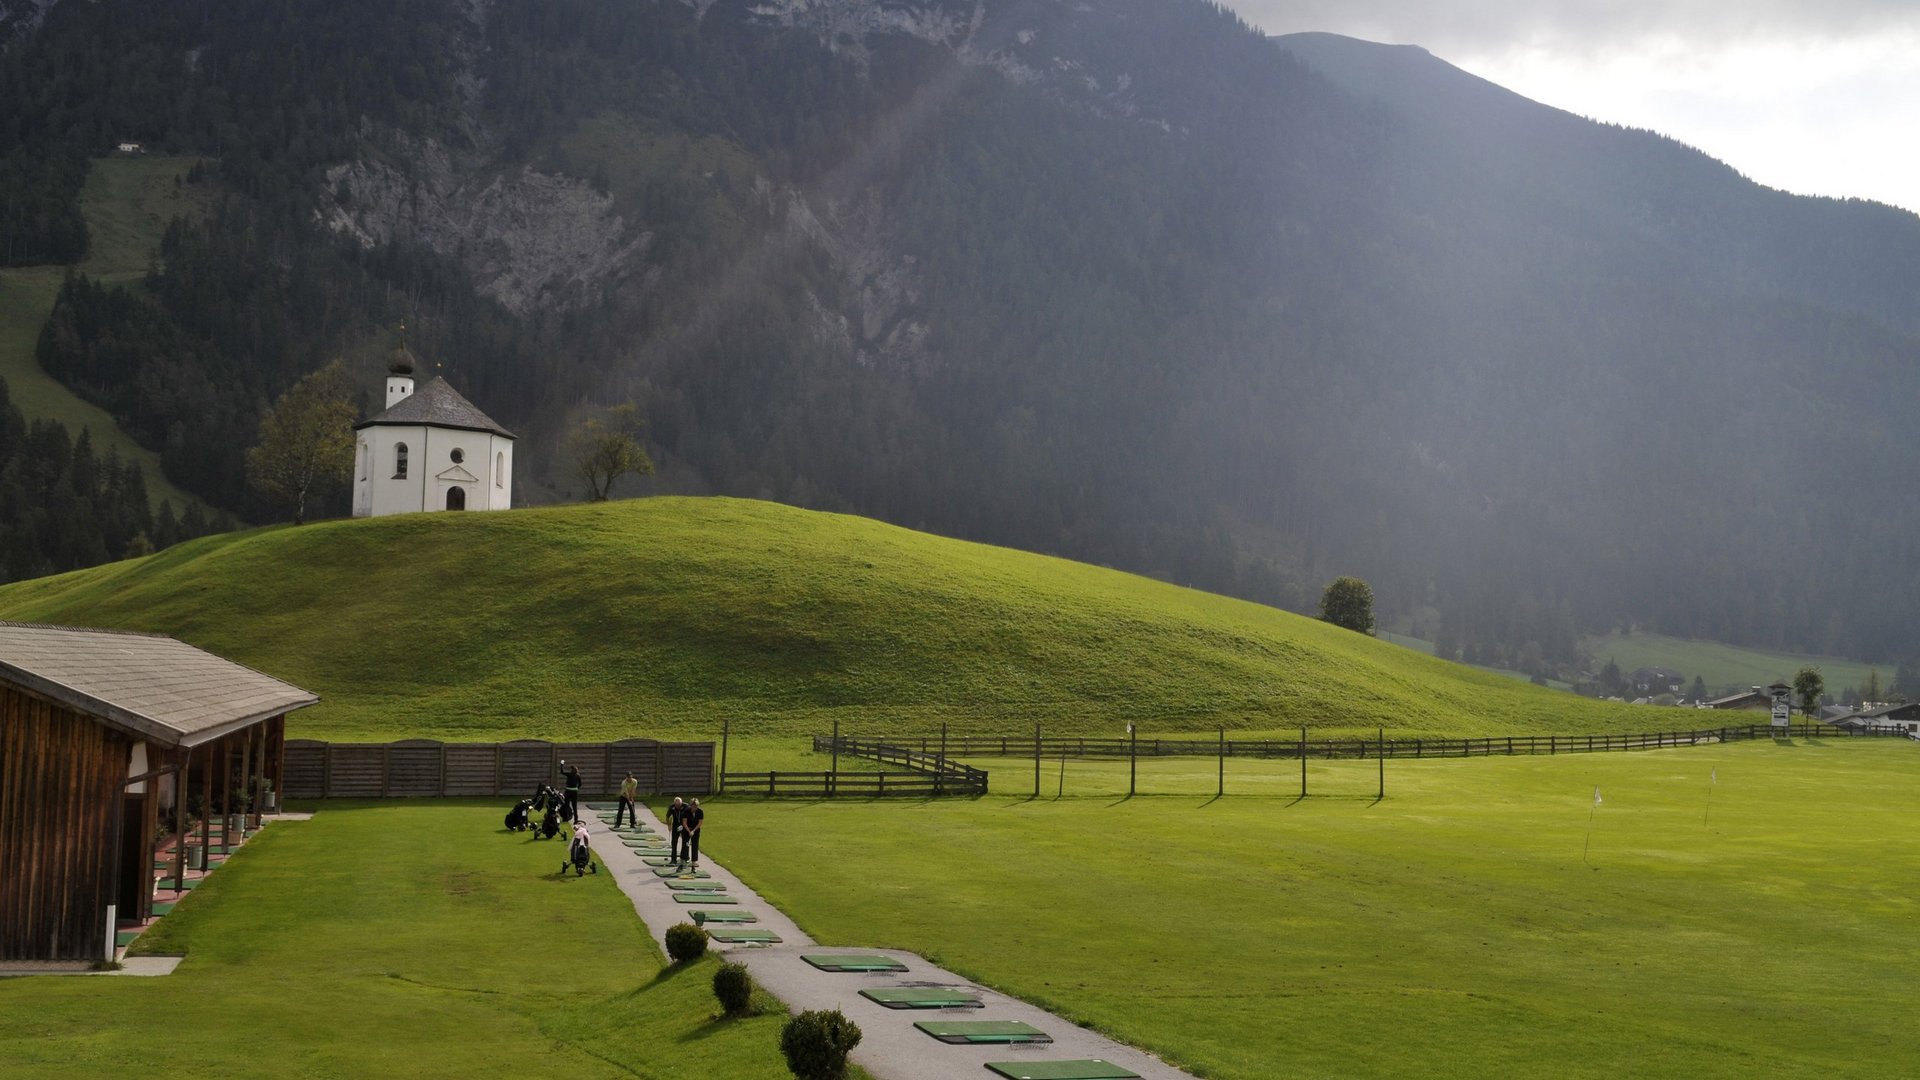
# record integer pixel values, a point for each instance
(676, 825)
(693, 819)
(573, 790)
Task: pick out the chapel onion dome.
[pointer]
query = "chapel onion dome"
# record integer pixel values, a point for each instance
(401, 360)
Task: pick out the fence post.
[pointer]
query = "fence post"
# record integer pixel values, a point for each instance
(443, 770)
(940, 767)
(1036, 760)
(1383, 762)
(1133, 759)
(722, 785)
(1303, 761)
(773, 780)
(833, 779)
(1223, 765)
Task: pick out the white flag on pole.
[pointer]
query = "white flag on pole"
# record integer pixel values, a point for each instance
(1596, 796)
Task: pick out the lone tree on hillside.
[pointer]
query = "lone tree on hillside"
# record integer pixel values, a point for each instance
(306, 440)
(604, 448)
(1808, 686)
(1348, 602)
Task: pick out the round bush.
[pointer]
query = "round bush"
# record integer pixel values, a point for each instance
(816, 1044)
(733, 985)
(686, 942)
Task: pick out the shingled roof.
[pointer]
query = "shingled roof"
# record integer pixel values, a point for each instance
(440, 405)
(148, 684)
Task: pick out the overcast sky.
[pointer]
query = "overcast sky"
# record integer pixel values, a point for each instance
(1820, 98)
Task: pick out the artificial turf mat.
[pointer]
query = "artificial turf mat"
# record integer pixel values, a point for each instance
(669, 871)
(124, 938)
(704, 898)
(923, 997)
(1082, 1069)
(983, 1031)
(695, 886)
(727, 916)
(161, 907)
(660, 862)
(734, 935)
(852, 962)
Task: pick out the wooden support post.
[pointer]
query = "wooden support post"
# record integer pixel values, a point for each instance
(940, 767)
(246, 779)
(226, 796)
(1133, 760)
(206, 806)
(833, 779)
(722, 785)
(180, 824)
(1303, 761)
(1383, 762)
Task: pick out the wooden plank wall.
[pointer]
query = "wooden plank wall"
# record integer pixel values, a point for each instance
(58, 774)
(424, 768)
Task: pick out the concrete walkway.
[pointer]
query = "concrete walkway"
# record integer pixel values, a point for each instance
(891, 1048)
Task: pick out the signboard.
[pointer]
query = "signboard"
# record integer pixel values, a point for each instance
(1780, 710)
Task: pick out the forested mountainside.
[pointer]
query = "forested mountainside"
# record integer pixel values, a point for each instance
(1124, 281)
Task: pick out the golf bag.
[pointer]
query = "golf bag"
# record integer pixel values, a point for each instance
(550, 823)
(580, 855)
(517, 817)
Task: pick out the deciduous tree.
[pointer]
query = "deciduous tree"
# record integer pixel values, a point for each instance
(1808, 686)
(306, 440)
(604, 448)
(1348, 602)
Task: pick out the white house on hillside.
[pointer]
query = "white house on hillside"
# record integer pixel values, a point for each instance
(430, 450)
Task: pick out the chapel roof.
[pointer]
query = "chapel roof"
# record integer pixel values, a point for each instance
(436, 404)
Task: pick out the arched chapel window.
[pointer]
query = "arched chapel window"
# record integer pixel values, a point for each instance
(399, 461)
(500, 468)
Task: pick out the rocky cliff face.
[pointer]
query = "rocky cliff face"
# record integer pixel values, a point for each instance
(532, 240)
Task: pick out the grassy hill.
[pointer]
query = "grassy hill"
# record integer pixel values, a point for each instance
(670, 614)
(128, 202)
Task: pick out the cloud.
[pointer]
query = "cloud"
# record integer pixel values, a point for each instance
(1482, 27)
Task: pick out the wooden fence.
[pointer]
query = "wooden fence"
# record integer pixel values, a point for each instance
(928, 775)
(426, 768)
(1026, 746)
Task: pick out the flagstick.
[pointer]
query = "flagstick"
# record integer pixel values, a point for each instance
(1709, 811)
(1584, 850)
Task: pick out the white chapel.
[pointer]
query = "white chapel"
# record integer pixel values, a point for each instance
(430, 450)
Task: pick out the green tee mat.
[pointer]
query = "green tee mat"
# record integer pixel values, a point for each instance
(657, 863)
(704, 898)
(695, 886)
(1084, 1069)
(669, 871)
(983, 1031)
(124, 938)
(727, 916)
(924, 997)
(734, 935)
(161, 907)
(852, 962)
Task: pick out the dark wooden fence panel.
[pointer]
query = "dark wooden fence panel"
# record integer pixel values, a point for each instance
(425, 768)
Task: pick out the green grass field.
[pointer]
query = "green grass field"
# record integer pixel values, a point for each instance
(392, 940)
(667, 616)
(1727, 667)
(128, 202)
(1453, 930)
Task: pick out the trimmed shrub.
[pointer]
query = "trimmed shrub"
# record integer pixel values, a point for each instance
(686, 942)
(816, 1044)
(733, 985)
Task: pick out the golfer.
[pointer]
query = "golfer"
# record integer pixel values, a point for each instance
(676, 828)
(628, 789)
(573, 790)
(693, 819)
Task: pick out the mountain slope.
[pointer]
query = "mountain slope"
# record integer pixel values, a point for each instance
(671, 615)
(1127, 282)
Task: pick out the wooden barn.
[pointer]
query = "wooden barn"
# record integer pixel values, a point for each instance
(106, 738)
